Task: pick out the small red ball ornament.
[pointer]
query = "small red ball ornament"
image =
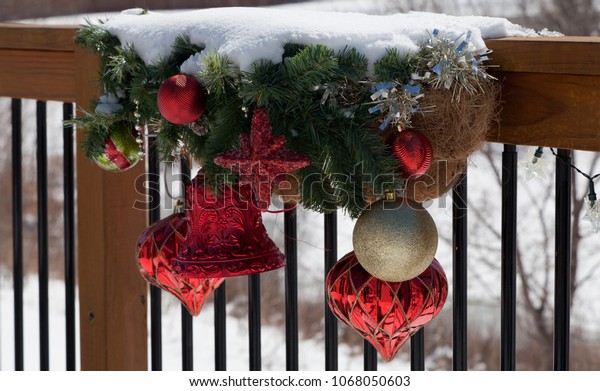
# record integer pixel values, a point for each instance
(181, 99)
(384, 313)
(413, 151)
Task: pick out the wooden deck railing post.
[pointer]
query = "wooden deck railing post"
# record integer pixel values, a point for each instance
(112, 294)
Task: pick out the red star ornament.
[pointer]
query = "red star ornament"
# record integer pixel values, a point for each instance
(261, 158)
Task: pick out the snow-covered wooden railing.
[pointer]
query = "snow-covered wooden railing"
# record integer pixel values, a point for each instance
(550, 92)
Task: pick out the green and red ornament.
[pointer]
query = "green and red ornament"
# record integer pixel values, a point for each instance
(395, 239)
(181, 99)
(413, 151)
(157, 249)
(121, 150)
(385, 313)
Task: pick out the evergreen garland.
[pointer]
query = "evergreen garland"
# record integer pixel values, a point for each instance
(319, 99)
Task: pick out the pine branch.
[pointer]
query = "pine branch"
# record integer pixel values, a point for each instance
(168, 139)
(94, 36)
(352, 65)
(194, 142)
(183, 48)
(226, 124)
(395, 67)
(145, 93)
(121, 66)
(219, 74)
(161, 70)
(311, 67)
(263, 85)
(291, 49)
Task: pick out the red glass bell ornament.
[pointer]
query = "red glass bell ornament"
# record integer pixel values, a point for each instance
(413, 152)
(384, 313)
(157, 248)
(181, 99)
(227, 237)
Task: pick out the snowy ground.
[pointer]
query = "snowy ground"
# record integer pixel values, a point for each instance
(31, 323)
(273, 339)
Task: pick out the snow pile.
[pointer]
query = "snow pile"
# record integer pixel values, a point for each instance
(246, 35)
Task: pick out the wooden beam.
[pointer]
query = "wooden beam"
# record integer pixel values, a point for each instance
(542, 109)
(37, 37)
(40, 75)
(112, 294)
(557, 55)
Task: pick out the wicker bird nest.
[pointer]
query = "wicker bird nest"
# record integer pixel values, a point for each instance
(441, 176)
(457, 126)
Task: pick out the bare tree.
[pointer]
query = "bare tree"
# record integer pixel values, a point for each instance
(415, 5)
(535, 257)
(570, 17)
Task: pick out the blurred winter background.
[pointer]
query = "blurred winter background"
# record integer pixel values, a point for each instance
(535, 235)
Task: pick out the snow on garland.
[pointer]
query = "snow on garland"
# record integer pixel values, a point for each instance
(328, 81)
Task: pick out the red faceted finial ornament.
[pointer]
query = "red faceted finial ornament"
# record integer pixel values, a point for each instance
(385, 313)
(181, 99)
(413, 152)
(226, 237)
(157, 247)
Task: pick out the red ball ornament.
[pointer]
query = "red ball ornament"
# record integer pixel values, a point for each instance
(181, 99)
(157, 247)
(413, 151)
(384, 313)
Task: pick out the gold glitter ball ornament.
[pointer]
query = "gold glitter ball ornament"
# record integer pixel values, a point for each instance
(395, 240)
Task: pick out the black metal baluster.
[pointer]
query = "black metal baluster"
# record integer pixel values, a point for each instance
(187, 340)
(331, 332)
(69, 241)
(562, 277)
(459, 274)
(187, 331)
(370, 357)
(17, 204)
(220, 303)
(254, 321)
(42, 194)
(509, 259)
(291, 289)
(155, 292)
(417, 351)
(155, 328)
